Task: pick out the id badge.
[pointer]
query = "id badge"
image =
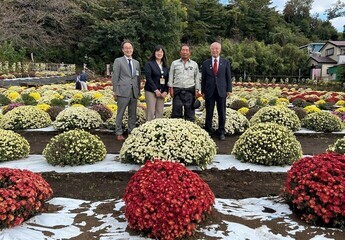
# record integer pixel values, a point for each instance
(162, 81)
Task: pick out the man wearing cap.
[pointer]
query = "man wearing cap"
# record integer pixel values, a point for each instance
(184, 85)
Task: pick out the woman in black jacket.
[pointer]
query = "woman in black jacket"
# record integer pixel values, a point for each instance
(156, 86)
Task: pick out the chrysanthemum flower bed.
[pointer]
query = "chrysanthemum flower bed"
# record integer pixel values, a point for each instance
(268, 144)
(235, 121)
(22, 194)
(25, 117)
(141, 119)
(12, 146)
(338, 146)
(75, 147)
(315, 189)
(323, 122)
(277, 114)
(166, 200)
(169, 139)
(77, 117)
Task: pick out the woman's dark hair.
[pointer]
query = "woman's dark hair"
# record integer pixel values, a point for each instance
(164, 59)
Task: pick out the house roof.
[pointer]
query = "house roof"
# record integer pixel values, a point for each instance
(335, 43)
(338, 43)
(323, 59)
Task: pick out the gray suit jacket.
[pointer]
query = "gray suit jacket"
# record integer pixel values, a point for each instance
(122, 80)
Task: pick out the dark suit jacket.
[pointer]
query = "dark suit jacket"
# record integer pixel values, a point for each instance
(222, 81)
(153, 75)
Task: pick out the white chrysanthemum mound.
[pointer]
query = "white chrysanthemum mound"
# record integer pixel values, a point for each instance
(77, 117)
(75, 147)
(268, 144)
(169, 139)
(12, 146)
(25, 117)
(235, 122)
(338, 146)
(141, 119)
(323, 122)
(277, 114)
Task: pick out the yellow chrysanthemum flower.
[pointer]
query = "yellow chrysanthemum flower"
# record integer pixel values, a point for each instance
(13, 95)
(243, 110)
(77, 105)
(43, 106)
(58, 96)
(319, 102)
(342, 109)
(283, 100)
(35, 95)
(112, 107)
(243, 100)
(340, 103)
(97, 95)
(312, 109)
(77, 96)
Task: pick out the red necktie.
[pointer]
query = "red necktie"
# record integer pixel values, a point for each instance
(215, 67)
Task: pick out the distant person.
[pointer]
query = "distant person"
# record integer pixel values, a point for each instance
(83, 79)
(156, 85)
(126, 86)
(184, 85)
(215, 87)
(77, 81)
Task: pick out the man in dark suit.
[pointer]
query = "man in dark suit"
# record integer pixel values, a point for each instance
(215, 87)
(126, 86)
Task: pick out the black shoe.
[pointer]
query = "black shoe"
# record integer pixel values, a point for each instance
(210, 131)
(222, 137)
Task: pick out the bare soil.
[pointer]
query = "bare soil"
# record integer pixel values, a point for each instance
(229, 183)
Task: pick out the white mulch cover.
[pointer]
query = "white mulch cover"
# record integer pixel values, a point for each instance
(238, 214)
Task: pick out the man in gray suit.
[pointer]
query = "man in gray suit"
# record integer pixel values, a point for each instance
(126, 86)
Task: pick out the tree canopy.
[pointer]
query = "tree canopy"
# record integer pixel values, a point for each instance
(256, 37)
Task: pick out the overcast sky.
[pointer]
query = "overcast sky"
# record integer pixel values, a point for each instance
(319, 6)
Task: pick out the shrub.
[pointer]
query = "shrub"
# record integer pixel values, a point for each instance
(166, 200)
(11, 106)
(315, 189)
(237, 104)
(58, 102)
(267, 144)
(4, 100)
(323, 122)
(141, 119)
(169, 139)
(12, 146)
(103, 111)
(54, 111)
(277, 114)
(251, 112)
(299, 102)
(27, 99)
(300, 112)
(77, 117)
(75, 147)
(338, 146)
(25, 117)
(340, 115)
(23, 194)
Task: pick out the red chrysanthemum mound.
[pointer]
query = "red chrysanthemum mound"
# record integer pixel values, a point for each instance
(22, 195)
(166, 200)
(315, 189)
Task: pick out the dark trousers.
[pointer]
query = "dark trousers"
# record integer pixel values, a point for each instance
(221, 108)
(183, 101)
